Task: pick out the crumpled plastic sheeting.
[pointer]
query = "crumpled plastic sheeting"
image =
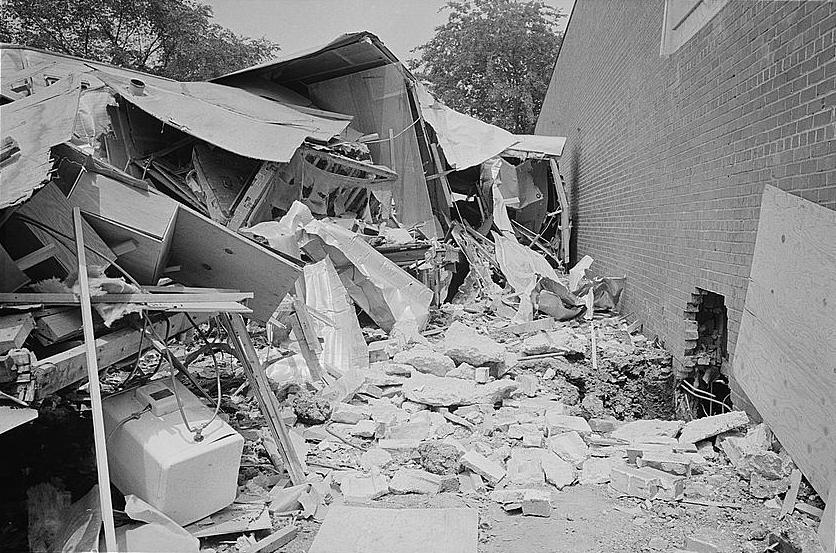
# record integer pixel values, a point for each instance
(292, 369)
(158, 533)
(393, 298)
(522, 268)
(465, 140)
(344, 348)
(491, 170)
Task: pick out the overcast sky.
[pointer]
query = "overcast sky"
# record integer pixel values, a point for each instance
(300, 24)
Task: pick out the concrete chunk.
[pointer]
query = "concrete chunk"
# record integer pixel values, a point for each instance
(707, 427)
(558, 473)
(634, 481)
(464, 345)
(364, 487)
(348, 414)
(558, 424)
(648, 431)
(414, 481)
(570, 447)
(674, 463)
(425, 360)
(537, 503)
(671, 486)
(523, 468)
(489, 469)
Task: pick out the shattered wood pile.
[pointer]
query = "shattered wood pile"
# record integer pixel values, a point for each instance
(413, 331)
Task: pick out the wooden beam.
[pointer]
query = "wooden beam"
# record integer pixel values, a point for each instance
(72, 299)
(37, 256)
(565, 222)
(64, 369)
(94, 388)
(14, 329)
(240, 339)
(255, 193)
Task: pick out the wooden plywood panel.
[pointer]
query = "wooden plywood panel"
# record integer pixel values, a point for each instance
(367, 530)
(378, 100)
(120, 212)
(49, 207)
(786, 347)
(145, 210)
(11, 277)
(211, 255)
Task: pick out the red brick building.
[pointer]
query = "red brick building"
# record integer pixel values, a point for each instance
(677, 113)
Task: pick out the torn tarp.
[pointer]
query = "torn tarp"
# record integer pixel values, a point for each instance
(344, 348)
(391, 297)
(465, 140)
(522, 268)
(232, 119)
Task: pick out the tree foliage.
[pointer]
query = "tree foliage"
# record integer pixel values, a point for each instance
(173, 38)
(493, 59)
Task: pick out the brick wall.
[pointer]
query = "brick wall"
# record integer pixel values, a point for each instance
(666, 158)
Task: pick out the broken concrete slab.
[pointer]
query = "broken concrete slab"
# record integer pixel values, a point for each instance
(465, 371)
(648, 431)
(363, 488)
(414, 481)
(528, 384)
(348, 413)
(634, 481)
(671, 486)
(375, 457)
(596, 470)
(674, 463)
(444, 392)
(570, 447)
(537, 503)
(559, 424)
(370, 530)
(487, 468)
(425, 360)
(524, 469)
(558, 473)
(464, 345)
(708, 427)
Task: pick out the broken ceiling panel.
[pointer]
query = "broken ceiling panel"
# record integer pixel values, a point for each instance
(31, 126)
(236, 121)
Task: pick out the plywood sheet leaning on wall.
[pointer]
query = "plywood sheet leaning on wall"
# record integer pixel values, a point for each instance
(784, 358)
(378, 98)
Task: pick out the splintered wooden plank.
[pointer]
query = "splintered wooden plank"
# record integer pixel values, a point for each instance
(11, 277)
(785, 349)
(14, 329)
(367, 530)
(211, 255)
(69, 367)
(51, 209)
(257, 191)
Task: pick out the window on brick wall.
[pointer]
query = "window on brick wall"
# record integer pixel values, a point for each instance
(683, 19)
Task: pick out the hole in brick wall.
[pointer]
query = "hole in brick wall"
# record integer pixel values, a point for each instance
(705, 390)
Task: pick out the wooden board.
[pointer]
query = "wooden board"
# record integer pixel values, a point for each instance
(49, 207)
(69, 367)
(827, 527)
(120, 212)
(11, 277)
(14, 329)
(786, 346)
(368, 530)
(211, 255)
